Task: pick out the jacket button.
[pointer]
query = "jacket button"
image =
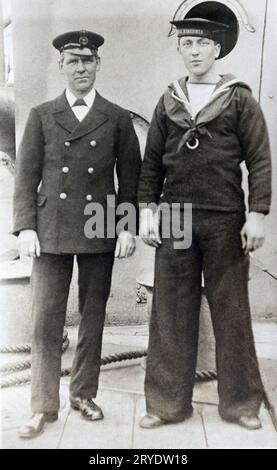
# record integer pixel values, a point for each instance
(63, 196)
(89, 197)
(67, 144)
(65, 169)
(93, 143)
(90, 171)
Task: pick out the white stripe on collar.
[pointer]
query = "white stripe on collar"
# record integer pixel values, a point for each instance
(182, 97)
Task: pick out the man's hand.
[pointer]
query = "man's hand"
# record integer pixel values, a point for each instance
(149, 228)
(253, 232)
(125, 245)
(28, 244)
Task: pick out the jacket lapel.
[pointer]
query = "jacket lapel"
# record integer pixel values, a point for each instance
(65, 117)
(96, 116)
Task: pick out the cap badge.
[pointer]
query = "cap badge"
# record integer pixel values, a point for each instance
(83, 40)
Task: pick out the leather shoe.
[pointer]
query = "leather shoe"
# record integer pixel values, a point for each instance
(152, 421)
(35, 425)
(88, 408)
(250, 422)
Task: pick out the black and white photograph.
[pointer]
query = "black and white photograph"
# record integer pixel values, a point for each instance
(138, 233)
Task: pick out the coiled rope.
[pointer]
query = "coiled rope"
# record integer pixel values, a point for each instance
(200, 376)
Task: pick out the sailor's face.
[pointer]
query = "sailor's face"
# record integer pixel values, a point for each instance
(199, 54)
(80, 71)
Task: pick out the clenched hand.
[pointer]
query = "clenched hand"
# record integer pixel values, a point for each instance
(149, 228)
(125, 245)
(28, 244)
(253, 232)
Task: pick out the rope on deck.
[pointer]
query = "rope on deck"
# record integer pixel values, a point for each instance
(200, 376)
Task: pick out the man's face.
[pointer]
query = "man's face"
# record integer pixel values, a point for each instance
(198, 54)
(80, 71)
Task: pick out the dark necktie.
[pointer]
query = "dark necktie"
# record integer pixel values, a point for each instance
(79, 102)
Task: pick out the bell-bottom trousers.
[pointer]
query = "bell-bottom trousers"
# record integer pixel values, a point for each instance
(172, 353)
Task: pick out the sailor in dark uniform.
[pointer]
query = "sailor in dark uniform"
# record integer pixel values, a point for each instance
(204, 126)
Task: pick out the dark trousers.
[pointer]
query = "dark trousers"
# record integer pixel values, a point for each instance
(172, 353)
(51, 279)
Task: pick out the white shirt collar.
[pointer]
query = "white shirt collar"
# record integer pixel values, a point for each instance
(89, 98)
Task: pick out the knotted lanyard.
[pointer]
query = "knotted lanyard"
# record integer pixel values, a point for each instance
(177, 108)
